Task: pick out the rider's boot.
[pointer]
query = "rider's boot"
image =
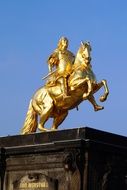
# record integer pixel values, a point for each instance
(95, 105)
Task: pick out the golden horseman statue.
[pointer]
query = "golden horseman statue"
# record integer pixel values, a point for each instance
(69, 82)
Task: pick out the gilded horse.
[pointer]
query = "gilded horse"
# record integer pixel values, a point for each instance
(48, 101)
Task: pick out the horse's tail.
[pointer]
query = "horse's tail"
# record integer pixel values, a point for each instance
(30, 124)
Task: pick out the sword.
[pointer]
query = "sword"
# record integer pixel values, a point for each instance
(49, 74)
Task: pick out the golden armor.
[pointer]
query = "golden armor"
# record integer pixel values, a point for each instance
(63, 60)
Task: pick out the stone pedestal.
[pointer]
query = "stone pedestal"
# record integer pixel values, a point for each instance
(74, 159)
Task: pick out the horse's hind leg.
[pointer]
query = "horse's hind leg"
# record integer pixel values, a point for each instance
(58, 119)
(44, 117)
(46, 110)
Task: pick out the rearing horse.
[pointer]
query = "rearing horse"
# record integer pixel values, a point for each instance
(48, 101)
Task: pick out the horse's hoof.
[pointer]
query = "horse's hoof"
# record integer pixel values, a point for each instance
(42, 129)
(102, 98)
(53, 129)
(97, 108)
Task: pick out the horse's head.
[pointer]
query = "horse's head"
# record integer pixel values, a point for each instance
(83, 55)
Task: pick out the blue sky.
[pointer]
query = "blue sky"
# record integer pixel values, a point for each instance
(29, 32)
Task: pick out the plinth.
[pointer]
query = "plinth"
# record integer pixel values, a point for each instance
(73, 159)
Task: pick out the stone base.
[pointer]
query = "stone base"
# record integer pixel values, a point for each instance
(73, 159)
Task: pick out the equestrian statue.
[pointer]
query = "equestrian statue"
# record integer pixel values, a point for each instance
(70, 81)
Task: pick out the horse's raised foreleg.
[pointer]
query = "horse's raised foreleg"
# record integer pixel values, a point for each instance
(89, 89)
(97, 86)
(58, 119)
(104, 97)
(93, 102)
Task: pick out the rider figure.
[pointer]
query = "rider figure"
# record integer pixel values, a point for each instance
(62, 59)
